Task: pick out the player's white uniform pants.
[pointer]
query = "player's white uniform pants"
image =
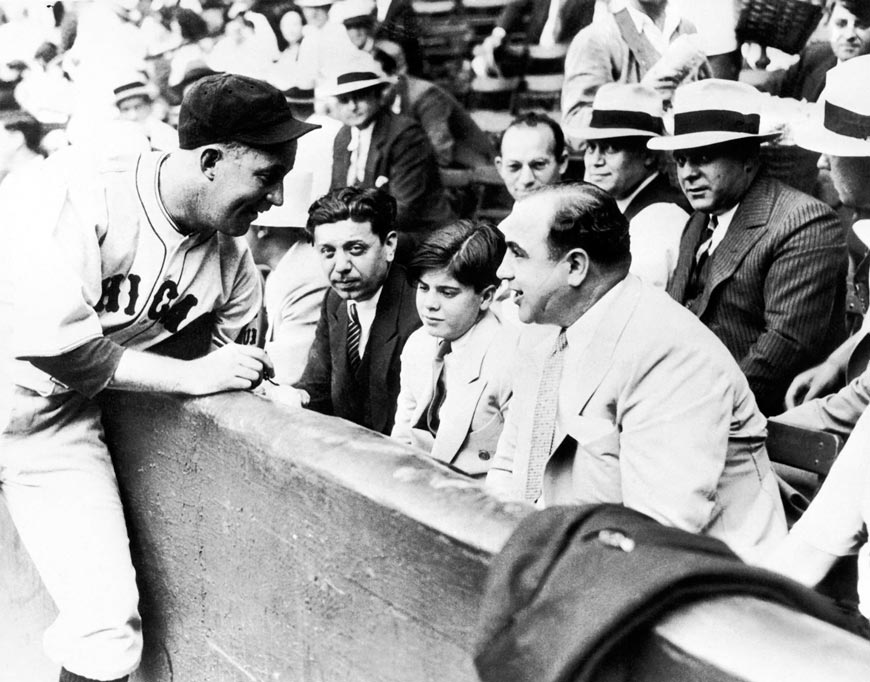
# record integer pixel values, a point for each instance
(59, 485)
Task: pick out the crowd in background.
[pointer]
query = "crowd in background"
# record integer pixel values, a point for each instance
(682, 248)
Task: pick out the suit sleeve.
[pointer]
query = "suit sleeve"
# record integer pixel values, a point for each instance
(836, 413)
(801, 289)
(433, 112)
(588, 66)
(317, 376)
(512, 14)
(406, 402)
(675, 419)
(412, 167)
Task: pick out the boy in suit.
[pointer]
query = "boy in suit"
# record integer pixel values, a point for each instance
(367, 314)
(455, 381)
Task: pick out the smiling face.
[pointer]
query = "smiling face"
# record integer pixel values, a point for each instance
(354, 258)
(849, 35)
(539, 282)
(528, 160)
(359, 108)
(616, 166)
(244, 182)
(448, 308)
(714, 179)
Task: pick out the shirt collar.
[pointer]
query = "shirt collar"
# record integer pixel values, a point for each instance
(623, 203)
(641, 20)
(370, 305)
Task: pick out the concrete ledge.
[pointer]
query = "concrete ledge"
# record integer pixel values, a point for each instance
(278, 545)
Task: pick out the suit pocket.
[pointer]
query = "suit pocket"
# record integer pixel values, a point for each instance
(595, 435)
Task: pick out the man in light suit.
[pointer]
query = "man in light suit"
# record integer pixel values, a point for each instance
(367, 315)
(633, 401)
(457, 369)
(761, 264)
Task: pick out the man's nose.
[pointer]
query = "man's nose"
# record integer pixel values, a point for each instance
(276, 194)
(342, 262)
(504, 271)
(430, 300)
(527, 177)
(824, 163)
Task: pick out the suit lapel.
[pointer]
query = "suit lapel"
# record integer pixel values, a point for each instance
(744, 231)
(597, 357)
(381, 345)
(340, 158)
(465, 391)
(686, 258)
(338, 335)
(379, 136)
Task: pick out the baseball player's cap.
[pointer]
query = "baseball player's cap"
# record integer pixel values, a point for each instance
(227, 107)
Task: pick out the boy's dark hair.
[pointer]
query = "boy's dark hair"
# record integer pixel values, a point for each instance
(533, 119)
(470, 251)
(359, 204)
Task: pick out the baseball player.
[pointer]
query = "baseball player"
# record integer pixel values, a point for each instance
(113, 262)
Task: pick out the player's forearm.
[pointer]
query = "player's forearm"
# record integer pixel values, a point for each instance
(143, 371)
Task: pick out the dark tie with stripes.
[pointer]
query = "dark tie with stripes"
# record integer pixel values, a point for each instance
(701, 266)
(354, 332)
(439, 388)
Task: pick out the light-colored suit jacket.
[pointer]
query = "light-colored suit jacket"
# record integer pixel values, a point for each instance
(663, 421)
(477, 395)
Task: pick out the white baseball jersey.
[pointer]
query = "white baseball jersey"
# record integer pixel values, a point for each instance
(112, 263)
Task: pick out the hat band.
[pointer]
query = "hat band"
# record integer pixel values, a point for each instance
(127, 87)
(716, 120)
(618, 118)
(846, 122)
(356, 77)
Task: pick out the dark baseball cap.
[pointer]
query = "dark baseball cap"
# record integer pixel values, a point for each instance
(227, 107)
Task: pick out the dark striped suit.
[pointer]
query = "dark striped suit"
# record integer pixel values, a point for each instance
(776, 288)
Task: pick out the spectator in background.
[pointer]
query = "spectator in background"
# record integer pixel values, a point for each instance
(849, 36)
(532, 154)
(761, 264)
(358, 18)
(624, 118)
(457, 370)
(631, 400)
(627, 45)
(847, 150)
(399, 23)
(458, 142)
(367, 315)
(134, 97)
(295, 283)
(550, 22)
(377, 148)
(248, 46)
(325, 48)
(285, 72)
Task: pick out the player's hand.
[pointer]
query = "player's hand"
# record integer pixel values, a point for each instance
(812, 383)
(231, 367)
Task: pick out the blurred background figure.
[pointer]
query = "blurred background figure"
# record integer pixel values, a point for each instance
(134, 98)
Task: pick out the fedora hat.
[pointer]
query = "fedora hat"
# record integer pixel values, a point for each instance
(361, 74)
(842, 124)
(622, 110)
(713, 111)
(314, 3)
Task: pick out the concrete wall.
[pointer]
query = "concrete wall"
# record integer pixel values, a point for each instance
(284, 546)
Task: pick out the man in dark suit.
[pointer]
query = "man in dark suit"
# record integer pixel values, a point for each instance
(367, 315)
(763, 265)
(457, 140)
(541, 22)
(377, 148)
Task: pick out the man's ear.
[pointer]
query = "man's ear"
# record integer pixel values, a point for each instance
(208, 160)
(390, 243)
(498, 163)
(563, 162)
(577, 261)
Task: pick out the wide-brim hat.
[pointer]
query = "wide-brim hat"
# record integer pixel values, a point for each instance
(713, 111)
(622, 110)
(136, 87)
(314, 3)
(353, 81)
(297, 95)
(842, 126)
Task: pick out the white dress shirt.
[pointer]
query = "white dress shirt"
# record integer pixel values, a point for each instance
(719, 233)
(360, 143)
(659, 38)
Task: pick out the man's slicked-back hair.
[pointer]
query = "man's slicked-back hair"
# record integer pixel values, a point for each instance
(362, 205)
(470, 251)
(588, 218)
(533, 119)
